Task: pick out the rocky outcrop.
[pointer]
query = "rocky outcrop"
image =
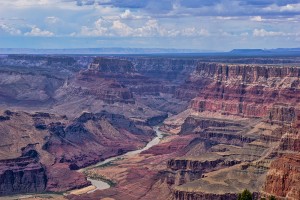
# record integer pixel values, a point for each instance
(184, 195)
(168, 69)
(89, 83)
(198, 165)
(240, 119)
(153, 121)
(24, 174)
(68, 85)
(180, 195)
(55, 147)
(218, 130)
(193, 122)
(245, 90)
(283, 114)
(184, 170)
(290, 141)
(111, 65)
(283, 178)
(60, 178)
(246, 73)
(29, 81)
(93, 137)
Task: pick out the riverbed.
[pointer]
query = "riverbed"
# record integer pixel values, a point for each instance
(102, 185)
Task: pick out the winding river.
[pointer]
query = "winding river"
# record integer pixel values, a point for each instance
(101, 185)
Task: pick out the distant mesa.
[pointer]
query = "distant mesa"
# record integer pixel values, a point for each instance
(111, 65)
(247, 51)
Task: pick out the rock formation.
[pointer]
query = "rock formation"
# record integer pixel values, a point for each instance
(231, 126)
(41, 151)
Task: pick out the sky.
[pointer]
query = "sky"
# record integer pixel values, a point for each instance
(218, 25)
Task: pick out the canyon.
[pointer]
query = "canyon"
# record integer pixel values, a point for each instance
(228, 123)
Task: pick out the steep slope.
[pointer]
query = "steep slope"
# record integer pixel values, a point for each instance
(267, 94)
(246, 90)
(39, 152)
(238, 129)
(232, 126)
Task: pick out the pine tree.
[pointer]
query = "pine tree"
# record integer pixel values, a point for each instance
(245, 195)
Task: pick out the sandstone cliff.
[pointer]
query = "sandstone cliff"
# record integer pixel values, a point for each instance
(245, 90)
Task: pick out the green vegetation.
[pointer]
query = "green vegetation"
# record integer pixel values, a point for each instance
(165, 135)
(245, 195)
(108, 164)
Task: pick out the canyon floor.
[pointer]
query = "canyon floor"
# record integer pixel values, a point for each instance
(229, 124)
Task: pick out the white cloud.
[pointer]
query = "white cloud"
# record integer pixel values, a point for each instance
(256, 19)
(9, 29)
(264, 33)
(122, 29)
(290, 7)
(245, 34)
(69, 5)
(127, 14)
(27, 3)
(112, 14)
(226, 34)
(189, 31)
(99, 29)
(52, 20)
(35, 31)
(203, 32)
(150, 28)
(192, 31)
(286, 8)
(226, 18)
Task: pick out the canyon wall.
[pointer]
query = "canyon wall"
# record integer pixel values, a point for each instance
(237, 125)
(245, 90)
(24, 174)
(41, 151)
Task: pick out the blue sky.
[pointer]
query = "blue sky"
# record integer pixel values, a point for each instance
(185, 24)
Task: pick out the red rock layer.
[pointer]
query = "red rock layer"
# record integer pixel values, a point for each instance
(283, 178)
(55, 147)
(178, 195)
(90, 83)
(22, 175)
(112, 65)
(245, 90)
(290, 141)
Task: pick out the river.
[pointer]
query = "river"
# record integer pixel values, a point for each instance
(101, 185)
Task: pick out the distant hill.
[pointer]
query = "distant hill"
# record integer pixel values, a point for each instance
(247, 51)
(266, 52)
